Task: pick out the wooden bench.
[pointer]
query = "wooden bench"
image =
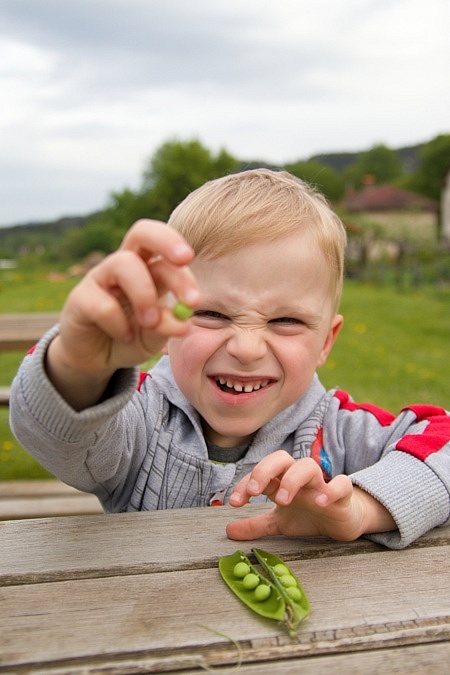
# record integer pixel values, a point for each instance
(19, 332)
(4, 395)
(44, 499)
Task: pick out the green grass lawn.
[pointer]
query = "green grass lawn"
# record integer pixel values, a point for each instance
(393, 348)
(392, 351)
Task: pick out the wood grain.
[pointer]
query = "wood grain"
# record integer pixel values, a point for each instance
(357, 600)
(135, 593)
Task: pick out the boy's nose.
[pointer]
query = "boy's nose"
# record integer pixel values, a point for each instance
(246, 345)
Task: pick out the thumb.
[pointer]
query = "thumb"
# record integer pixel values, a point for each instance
(252, 528)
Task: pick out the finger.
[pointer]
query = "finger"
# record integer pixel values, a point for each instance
(260, 479)
(126, 276)
(137, 286)
(149, 237)
(305, 473)
(96, 306)
(252, 528)
(245, 490)
(339, 488)
(167, 326)
(179, 281)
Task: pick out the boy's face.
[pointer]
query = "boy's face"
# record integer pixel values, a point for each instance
(264, 324)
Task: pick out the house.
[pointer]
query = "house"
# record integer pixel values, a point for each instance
(394, 213)
(382, 198)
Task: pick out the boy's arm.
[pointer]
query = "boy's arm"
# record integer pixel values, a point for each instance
(114, 318)
(399, 481)
(402, 461)
(83, 448)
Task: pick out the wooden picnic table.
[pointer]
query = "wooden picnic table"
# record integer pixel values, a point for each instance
(44, 499)
(20, 331)
(141, 592)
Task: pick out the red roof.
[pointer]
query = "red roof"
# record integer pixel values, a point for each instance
(387, 198)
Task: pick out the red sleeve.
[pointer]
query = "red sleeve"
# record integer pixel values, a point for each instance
(435, 435)
(431, 439)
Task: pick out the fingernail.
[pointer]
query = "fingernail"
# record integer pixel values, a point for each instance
(282, 496)
(181, 250)
(191, 296)
(253, 486)
(322, 500)
(151, 317)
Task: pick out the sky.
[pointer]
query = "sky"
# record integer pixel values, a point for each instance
(90, 89)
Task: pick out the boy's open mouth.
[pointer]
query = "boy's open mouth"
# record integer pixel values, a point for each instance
(236, 387)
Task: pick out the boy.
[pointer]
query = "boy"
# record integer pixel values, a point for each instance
(234, 410)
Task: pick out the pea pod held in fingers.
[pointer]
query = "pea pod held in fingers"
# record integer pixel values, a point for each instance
(287, 585)
(239, 574)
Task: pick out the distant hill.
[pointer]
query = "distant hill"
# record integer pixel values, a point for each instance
(32, 236)
(339, 161)
(65, 223)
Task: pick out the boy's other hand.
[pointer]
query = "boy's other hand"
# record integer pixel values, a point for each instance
(306, 506)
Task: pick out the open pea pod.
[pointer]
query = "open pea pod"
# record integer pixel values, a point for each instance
(288, 586)
(278, 595)
(236, 570)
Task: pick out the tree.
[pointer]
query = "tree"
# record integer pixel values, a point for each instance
(327, 180)
(380, 162)
(176, 169)
(434, 166)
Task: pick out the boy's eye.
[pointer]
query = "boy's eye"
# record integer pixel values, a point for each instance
(287, 325)
(209, 314)
(287, 320)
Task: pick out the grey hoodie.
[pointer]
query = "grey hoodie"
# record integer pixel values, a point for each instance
(143, 448)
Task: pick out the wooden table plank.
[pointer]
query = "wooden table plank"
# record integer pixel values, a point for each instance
(139, 543)
(44, 499)
(19, 332)
(428, 659)
(49, 507)
(15, 489)
(134, 543)
(178, 619)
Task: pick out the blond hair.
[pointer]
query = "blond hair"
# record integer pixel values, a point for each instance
(229, 213)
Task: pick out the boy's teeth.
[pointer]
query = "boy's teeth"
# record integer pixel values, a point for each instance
(239, 387)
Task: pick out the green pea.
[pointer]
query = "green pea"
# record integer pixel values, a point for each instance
(280, 570)
(288, 580)
(294, 593)
(250, 581)
(262, 592)
(241, 570)
(182, 311)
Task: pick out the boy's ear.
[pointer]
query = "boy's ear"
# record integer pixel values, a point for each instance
(333, 332)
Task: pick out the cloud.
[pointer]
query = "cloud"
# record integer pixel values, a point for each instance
(95, 86)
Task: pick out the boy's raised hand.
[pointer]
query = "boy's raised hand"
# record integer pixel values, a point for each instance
(115, 317)
(306, 506)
